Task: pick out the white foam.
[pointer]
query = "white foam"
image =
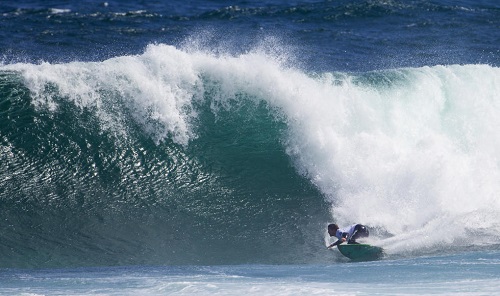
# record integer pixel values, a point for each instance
(419, 159)
(59, 10)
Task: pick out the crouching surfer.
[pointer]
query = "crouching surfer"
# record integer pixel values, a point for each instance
(349, 233)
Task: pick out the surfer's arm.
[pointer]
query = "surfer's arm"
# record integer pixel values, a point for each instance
(337, 242)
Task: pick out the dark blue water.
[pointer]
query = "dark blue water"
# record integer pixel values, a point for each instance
(217, 132)
(322, 35)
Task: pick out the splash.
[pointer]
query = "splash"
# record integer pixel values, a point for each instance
(411, 152)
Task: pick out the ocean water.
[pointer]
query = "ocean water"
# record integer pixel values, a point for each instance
(201, 147)
(457, 274)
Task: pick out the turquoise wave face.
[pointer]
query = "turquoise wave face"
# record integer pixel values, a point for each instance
(76, 192)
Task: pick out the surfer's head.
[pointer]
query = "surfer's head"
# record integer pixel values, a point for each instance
(332, 229)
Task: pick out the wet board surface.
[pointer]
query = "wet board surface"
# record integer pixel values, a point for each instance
(361, 252)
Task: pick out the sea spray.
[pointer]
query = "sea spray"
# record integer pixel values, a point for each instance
(416, 157)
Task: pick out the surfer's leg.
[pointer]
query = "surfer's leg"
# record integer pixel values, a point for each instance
(354, 236)
(359, 231)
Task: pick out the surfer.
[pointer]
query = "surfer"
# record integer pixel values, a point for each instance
(349, 234)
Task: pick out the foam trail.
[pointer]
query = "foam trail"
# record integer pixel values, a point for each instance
(412, 152)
